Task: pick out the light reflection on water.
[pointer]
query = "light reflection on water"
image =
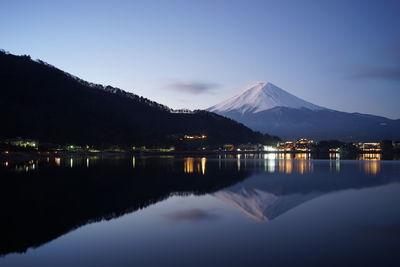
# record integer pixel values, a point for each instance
(287, 163)
(371, 163)
(194, 165)
(270, 162)
(372, 167)
(188, 166)
(300, 163)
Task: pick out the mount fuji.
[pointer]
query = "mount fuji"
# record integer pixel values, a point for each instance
(264, 197)
(265, 107)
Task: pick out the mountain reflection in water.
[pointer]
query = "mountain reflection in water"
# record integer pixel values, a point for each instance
(42, 200)
(264, 199)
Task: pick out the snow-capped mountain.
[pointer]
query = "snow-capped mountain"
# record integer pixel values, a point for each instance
(266, 196)
(260, 205)
(267, 108)
(262, 96)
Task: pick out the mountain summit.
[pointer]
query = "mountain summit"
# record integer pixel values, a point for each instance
(265, 107)
(261, 96)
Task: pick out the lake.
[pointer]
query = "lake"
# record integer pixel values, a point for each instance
(229, 210)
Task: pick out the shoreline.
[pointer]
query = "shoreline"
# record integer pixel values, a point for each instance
(15, 157)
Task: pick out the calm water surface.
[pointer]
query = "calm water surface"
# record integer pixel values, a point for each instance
(267, 210)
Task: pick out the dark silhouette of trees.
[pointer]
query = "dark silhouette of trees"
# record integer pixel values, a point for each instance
(42, 102)
(39, 208)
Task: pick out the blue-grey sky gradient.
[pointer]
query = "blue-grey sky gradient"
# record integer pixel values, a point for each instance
(343, 54)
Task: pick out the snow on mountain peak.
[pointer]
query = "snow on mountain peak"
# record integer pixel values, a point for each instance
(260, 96)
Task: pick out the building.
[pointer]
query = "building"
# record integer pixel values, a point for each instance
(270, 148)
(23, 142)
(228, 147)
(250, 147)
(304, 145)
(369, 147)
(301, 145)
(188, 137)
(286, 146)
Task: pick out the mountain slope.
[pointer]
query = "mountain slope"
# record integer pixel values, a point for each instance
(265, 107)
(40, 101)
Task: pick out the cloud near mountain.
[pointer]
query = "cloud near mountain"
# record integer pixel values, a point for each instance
(378, 73)
(193, 215)
(193, 87)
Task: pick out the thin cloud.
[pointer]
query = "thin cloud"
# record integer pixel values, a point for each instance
(392, 51)
(192, 215)
(192, 87)
(377, 73)
(390, 71)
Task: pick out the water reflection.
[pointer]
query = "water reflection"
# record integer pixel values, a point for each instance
(285, 163)
(372, 167)
(371, 163)
(302, 156)
(270, 162)
(192, 165)
(304, 166)
(260, 188)
(334, 161)
(265, 199)
(28, 166)
(188, 165)
(203, 165)
(105, 190)
(334, 165)
(334, 156)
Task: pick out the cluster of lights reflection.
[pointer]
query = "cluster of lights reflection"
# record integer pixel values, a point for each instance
(271, 162)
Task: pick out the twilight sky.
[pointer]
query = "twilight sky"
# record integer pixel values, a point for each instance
(342, 54)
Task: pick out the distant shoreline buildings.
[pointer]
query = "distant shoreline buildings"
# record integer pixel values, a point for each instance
(22, 142)
(199, 143)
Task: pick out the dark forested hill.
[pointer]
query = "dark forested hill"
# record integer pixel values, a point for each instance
(42, 102)
(49, 208)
